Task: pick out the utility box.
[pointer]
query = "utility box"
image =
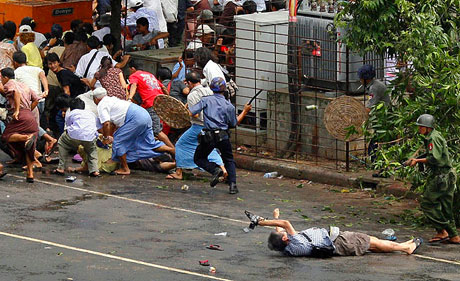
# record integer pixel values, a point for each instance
(326, 64)
(46, 12)
(151, 60)
(261, 61)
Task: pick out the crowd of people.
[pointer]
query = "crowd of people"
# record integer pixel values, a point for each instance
(69, 93)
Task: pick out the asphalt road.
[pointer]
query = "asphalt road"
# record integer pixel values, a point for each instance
(143, 227)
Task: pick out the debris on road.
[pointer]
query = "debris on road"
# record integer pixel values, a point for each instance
(212, 269)
(204, 262)
(271, 175)
(389, 234)
(214, 247)
(221, 234)
(70, 178)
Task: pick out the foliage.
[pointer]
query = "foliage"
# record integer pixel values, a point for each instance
(424, 37)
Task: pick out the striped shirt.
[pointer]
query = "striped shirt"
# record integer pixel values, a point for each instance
(300, 246)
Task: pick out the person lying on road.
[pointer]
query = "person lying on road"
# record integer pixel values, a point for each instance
(317, 242)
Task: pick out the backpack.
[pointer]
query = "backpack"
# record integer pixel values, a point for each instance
(322, 252)
(232, 88)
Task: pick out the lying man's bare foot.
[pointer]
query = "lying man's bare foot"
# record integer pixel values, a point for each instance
(123, 172)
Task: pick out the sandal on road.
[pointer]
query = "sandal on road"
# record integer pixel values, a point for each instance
(214, 247)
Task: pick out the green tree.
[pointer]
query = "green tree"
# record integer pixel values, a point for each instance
(425, 35)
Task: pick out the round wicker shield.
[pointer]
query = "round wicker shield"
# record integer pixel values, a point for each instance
(341, 114)
(172, 111)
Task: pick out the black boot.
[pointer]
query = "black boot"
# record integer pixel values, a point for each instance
(232, 188)
(215, 176)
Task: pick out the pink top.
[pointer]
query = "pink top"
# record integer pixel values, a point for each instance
(28, 96)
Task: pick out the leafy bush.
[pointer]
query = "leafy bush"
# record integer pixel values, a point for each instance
(424, 36)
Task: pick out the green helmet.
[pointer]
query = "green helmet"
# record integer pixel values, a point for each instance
(425, 120)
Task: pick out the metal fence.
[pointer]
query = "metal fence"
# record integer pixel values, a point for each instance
(295, 75)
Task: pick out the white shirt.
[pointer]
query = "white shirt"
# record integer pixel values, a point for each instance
(29, 75)
(101, 33)
(195, 44)
(210, 71)
(81, 125)
(260, 5)
(194, 97)
(113, 109)
(150, 14)
(156, 6)
(87, 98)
(84, 61)
(169, 8)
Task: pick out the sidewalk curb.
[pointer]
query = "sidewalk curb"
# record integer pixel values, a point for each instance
(325, 176)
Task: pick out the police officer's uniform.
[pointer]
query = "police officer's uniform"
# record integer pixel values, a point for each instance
(219, 115)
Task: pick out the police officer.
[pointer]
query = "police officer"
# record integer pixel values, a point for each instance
(375, 88)
(438, 199)
(219, 116)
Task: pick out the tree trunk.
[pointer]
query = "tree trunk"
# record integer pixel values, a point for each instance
(115, 23)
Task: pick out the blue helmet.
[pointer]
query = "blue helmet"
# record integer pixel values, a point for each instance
(218, 85)
(366, 72)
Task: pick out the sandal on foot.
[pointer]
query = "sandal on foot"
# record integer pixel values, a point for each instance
(30, 180)
(437, 239)
(448, 241)
(2, 174)
(418, 243)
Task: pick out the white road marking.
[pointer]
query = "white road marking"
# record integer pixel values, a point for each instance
(190, 211)
(110, 256)
(137, 201)
(436, 259)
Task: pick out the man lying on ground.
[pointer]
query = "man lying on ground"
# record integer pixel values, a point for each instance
(317, 242)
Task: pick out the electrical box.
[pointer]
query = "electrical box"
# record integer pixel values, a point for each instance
(261, 60)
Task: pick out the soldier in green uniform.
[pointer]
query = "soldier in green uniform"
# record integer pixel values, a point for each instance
(438, 199)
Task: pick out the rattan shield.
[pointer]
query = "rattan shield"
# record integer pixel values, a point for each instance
(342, 113)
(172, 111)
